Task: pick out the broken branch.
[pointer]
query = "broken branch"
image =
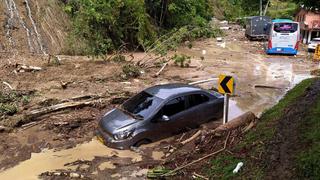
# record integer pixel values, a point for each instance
(7, 84)
(192, 137)
(198, 160)
(163, 67)
(266, 86)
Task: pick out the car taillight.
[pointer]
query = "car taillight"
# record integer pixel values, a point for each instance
(269, 44)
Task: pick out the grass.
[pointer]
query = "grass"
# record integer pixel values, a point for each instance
(252, 145)
(308, 160)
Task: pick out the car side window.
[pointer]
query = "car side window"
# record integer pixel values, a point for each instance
(197, 99)
(174, 106)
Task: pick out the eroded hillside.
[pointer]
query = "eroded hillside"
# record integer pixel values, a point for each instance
(35, 26)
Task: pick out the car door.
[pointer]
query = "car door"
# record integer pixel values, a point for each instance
(199, 108)
(175, 111)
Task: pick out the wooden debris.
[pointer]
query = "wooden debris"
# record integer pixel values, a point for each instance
(203, 81)
(200, 176)
(192, 137)
(64, 85)
(267, 87)
(30, 116)
(163, 67)
(27, 68)
(200, 159)
(7, 84)
(250, 126)
(241, 120)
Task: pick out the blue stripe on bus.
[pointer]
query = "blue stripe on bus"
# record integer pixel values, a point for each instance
(283, 51)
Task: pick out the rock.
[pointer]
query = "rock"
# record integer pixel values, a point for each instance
(4, 129)
(225, 28)
(75, 175)
(219, 39)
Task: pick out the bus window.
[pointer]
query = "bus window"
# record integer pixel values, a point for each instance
(285, 27)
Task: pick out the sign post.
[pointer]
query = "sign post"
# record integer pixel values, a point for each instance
(316, 56)
(226, 87)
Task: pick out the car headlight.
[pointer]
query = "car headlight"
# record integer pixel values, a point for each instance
(123, 135)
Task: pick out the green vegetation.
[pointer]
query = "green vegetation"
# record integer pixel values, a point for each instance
(222, 167)
(253, 142)
(130, 71)
(101, 27)
(181, 60)
(9, 102)
(282, 9)
(309, 159)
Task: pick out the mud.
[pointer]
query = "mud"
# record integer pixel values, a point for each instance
(63, 142)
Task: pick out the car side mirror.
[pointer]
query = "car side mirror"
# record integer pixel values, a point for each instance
(164, 118)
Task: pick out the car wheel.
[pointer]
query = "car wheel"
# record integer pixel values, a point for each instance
(142, 142)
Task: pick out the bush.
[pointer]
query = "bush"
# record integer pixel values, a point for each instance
(181, 60)
(100, 26)
(130, 71)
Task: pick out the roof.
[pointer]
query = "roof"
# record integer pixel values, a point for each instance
(282, 20)
(252, 17)
(167, 90)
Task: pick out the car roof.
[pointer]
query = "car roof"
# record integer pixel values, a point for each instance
(168, 90)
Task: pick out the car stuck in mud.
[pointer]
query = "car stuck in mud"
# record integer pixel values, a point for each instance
(159, 112)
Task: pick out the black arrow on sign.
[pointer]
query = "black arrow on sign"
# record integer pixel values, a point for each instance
(224, 83)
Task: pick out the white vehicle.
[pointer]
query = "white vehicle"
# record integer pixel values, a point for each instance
(284, 37)
(313, 44)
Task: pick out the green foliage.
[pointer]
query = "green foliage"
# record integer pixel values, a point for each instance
(282, 9)
(9, 102)
(159, 172)
(253, 143)
(130, 71)
(175, 37)
(308, 3)
(101, 26)
(181, 60)
(308, 160)
(8, 109)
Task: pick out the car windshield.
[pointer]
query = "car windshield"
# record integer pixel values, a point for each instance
(142, 105)
(285, 27)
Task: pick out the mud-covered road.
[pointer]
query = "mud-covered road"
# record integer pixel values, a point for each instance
(62, 144)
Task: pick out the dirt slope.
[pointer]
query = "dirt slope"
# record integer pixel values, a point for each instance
(32, 26)
(286, 144)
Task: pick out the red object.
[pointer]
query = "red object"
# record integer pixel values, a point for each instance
(297, 44)
(269, 44)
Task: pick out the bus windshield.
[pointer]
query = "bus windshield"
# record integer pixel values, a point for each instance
(285, 27)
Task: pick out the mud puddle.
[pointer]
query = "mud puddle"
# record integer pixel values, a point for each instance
(50, 160)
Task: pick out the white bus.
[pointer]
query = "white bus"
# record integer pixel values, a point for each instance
(284, 37)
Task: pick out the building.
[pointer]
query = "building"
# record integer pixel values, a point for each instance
(309, 24)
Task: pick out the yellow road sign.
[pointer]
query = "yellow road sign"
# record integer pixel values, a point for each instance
(316, 55)
(226, 84)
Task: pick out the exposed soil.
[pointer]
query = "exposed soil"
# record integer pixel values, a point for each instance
(282, 150)
(62, 137)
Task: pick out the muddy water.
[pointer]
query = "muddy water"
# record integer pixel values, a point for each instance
(50, 160)
(280, 72)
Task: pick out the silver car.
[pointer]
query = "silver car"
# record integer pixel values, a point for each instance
(158, 112)
(313, 44)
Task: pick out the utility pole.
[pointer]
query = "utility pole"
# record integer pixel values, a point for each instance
(261, 8)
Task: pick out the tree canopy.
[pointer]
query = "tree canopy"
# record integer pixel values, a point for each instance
(309, 3)
(105, 26)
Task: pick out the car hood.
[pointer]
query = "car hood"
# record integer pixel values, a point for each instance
(115, 121)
